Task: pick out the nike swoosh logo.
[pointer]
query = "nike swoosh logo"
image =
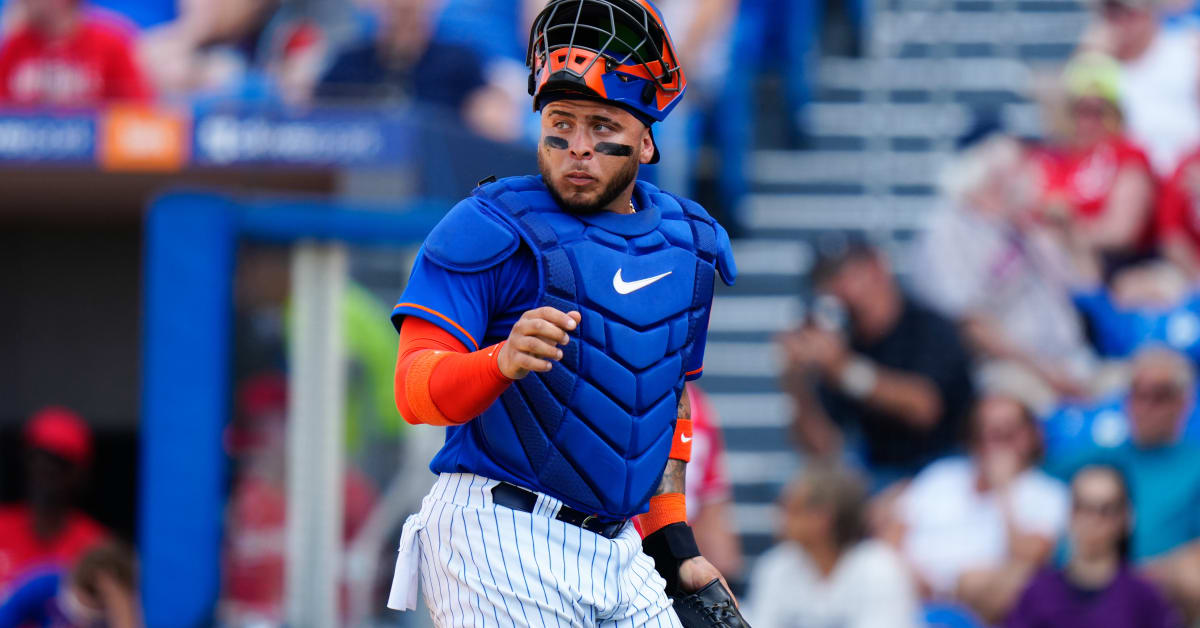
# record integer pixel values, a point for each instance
(686, 439)
(625, 287)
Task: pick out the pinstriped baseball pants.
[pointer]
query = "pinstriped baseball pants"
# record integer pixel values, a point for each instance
(488, 565)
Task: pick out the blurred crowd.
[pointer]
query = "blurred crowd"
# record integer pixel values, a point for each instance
(460, 63)
(1018, 406)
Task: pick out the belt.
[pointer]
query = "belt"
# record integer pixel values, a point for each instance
(517, 498)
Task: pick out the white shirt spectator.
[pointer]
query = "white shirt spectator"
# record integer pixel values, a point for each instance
(951, 527)
(1160, 95)
(971, 264)
(869, 588)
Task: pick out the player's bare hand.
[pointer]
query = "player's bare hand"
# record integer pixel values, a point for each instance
(533, 344)
(697, 572)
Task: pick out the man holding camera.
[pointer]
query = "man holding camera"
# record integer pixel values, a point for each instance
(872, 362)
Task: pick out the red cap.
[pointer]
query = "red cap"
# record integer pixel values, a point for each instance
(60, 431)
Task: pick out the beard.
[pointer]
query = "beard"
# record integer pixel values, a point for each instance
(608, 193)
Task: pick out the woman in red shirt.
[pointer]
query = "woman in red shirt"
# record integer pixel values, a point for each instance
(1098, 183)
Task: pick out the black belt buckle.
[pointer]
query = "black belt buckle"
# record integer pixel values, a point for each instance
(592, 523)
(517, 498)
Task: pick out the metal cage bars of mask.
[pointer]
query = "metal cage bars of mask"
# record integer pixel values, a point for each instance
(540, 41)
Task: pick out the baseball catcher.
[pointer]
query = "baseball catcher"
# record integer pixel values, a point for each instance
(549, 325)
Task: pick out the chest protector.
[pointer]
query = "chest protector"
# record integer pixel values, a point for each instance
(595, 430)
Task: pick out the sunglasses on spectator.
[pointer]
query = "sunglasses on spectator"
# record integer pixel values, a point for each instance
(1155, 393)
(1107, 510)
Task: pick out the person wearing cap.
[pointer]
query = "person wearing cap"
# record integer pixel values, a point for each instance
(1157, 83)
(1099, 186)
(549, 325)
(48, 528)
(873, 361)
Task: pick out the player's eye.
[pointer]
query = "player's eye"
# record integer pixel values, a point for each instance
(562, 125)
(604, 128)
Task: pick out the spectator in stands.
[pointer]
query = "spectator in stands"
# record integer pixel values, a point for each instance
(709, 494)
(825, 571)
(1100, 189)
(63, 56)
(1163, 475)
(703, 36)
(897, 373)
(1151, 302)
(1178, 217)
(48, 528)
(1105, 424)
(99, 591)
(1157, 85)
(208, 49)
(977, 528)
(1098, 588)
(981, 263)
(406, 61)
(294, 55)
(260, 52)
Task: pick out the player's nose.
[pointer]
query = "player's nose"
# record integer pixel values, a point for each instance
(580, 147)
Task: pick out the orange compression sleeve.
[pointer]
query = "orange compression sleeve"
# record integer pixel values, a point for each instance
(438, 382)
(665, 509)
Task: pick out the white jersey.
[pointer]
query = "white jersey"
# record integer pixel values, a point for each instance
(481, 564)
(1160, 95)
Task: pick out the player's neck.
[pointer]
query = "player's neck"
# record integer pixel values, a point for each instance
(623, 203)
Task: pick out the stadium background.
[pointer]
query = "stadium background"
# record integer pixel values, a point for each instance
(838, 121)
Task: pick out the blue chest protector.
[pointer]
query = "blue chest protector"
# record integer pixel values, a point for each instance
(594, 431)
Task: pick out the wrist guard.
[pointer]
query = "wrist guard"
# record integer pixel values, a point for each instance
(669, 546)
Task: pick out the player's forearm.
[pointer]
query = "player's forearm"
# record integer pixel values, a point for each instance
(675, 473)
(673, 478)
(667, 505)
(437, 382)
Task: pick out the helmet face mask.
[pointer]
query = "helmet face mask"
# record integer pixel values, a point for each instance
(612, 50)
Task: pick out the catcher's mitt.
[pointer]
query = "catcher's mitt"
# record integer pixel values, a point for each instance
(710, 607)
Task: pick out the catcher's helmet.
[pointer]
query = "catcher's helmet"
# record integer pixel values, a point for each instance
(613, 50)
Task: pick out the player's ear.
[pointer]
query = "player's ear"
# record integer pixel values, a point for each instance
(646, 147)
